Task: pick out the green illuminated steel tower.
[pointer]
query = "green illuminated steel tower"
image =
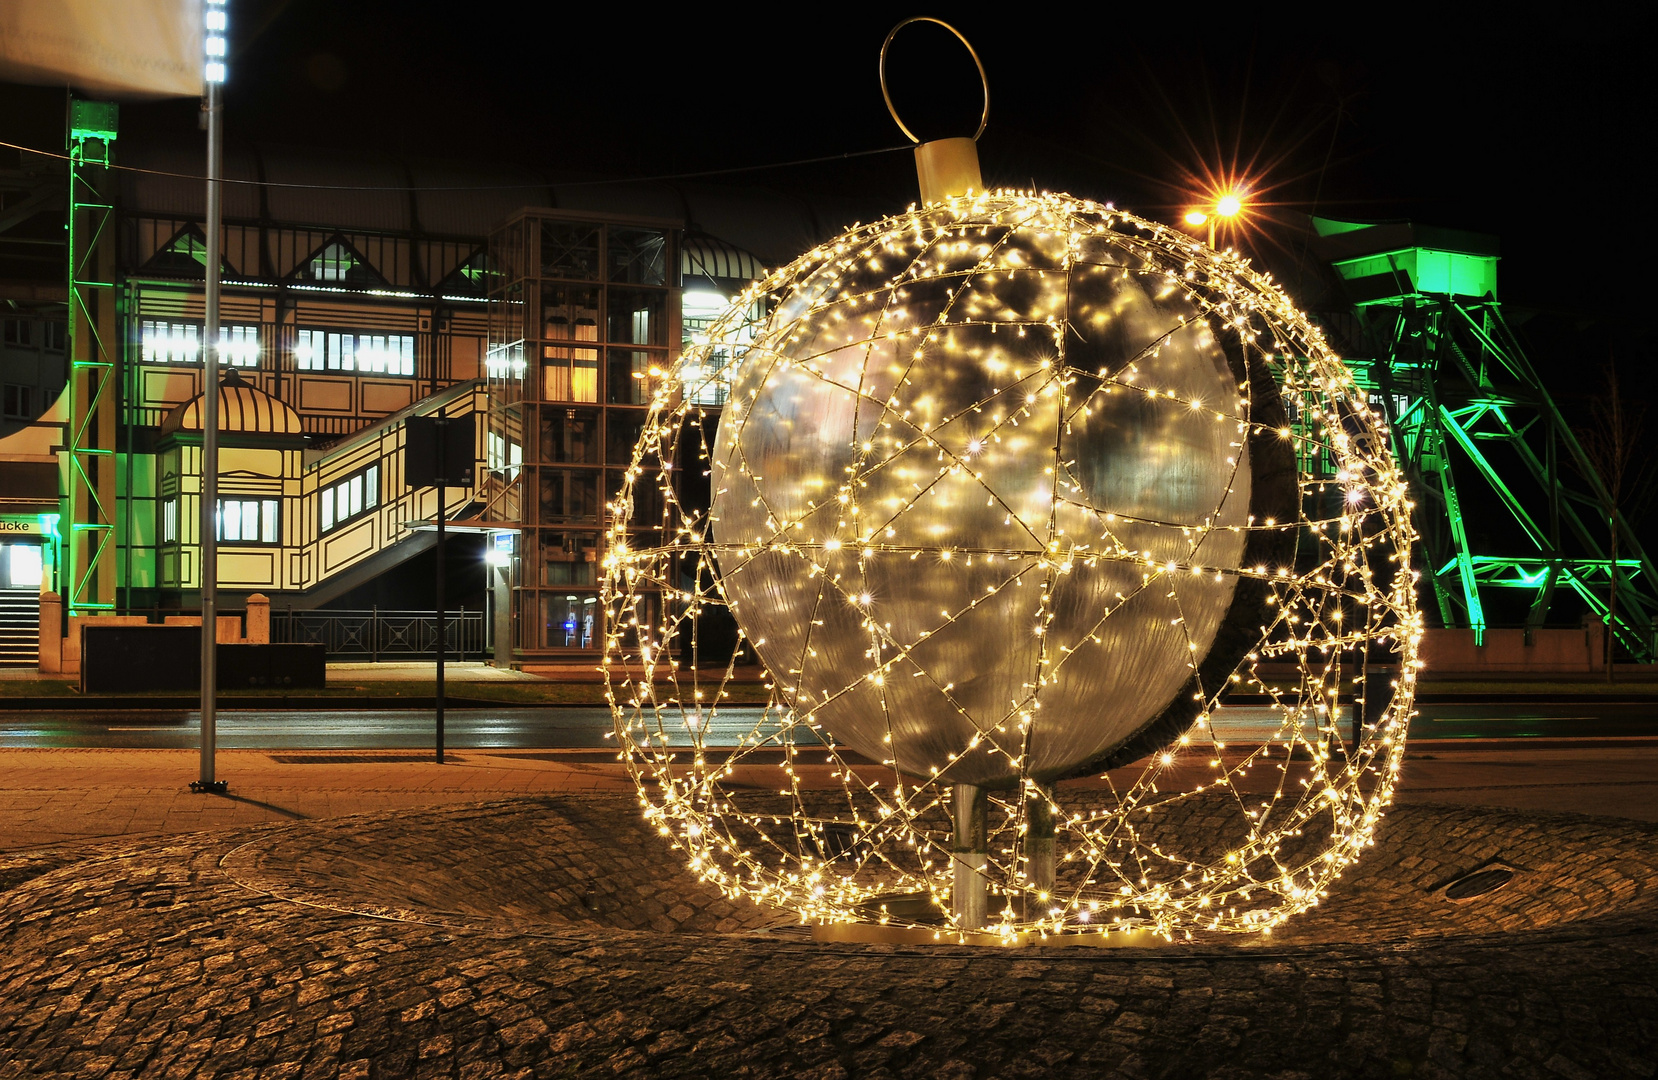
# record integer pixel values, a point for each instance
(1474, 427)
(87, 580)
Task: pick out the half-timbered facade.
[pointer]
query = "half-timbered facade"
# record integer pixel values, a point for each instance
(357, 295)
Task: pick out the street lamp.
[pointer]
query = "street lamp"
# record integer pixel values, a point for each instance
(214, 52)
(1228, 205)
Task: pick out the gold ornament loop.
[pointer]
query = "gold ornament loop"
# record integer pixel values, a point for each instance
(984, 117)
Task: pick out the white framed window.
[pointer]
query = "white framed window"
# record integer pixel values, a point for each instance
(334, 350)
(173, 341)
(248, 521)
(239, 347)
(349, 499)
(503, 456)
(163, 341)
(169, 520)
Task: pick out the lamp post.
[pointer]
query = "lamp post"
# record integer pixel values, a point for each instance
(213, 76)
(1226, 206)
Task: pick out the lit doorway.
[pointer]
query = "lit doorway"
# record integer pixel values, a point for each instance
(21, 566)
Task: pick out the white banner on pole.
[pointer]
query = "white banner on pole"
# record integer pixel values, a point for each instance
(108, 48)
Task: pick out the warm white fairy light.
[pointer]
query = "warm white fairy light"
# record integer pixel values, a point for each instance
(940, 281)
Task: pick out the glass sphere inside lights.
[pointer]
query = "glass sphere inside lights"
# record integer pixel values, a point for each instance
(1011, 489)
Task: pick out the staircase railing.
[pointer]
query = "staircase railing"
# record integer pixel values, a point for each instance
(381, 635)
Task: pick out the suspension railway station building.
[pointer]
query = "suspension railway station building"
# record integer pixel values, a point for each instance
(358, 296)
(355, 297)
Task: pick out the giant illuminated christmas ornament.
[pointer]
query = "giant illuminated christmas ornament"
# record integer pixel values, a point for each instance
(1015, 496)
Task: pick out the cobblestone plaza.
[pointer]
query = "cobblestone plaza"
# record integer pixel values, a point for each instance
(552, 934)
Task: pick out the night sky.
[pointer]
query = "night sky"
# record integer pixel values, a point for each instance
(1531, 126)
(1520, 124)
(1528, 122)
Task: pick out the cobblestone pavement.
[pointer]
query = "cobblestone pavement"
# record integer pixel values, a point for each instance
(542, 937)
(54, 796)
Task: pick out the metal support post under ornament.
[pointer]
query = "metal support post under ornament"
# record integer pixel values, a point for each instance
(970, 852)
(1039, 844)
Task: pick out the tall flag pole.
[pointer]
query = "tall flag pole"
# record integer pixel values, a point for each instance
(214, 24)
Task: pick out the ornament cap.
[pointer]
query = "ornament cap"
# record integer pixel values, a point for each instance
(947, 168)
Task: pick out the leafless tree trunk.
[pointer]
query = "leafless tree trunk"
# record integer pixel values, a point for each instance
(1613, 443)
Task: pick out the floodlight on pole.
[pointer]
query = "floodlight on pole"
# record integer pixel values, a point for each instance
(214, 24)
(1227, 205)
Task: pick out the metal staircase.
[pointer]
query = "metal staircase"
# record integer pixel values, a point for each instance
(382, 443)
(19, 627)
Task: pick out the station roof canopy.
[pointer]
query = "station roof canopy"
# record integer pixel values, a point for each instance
(371, 192)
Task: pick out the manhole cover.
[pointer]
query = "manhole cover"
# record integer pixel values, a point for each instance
(1479, 883)
(915, 907)
(793, 931)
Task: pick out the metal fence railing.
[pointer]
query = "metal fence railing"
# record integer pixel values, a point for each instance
(379, 635)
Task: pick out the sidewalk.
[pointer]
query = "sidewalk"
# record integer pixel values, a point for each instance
(60, 796)
(50, 796)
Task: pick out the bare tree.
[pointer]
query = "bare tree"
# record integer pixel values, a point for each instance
(1614, 442)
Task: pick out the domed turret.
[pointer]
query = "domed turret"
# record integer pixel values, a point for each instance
(243, 408)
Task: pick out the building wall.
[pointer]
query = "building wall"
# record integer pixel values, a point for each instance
(32, 365)
(375, 247)
(309, 545)
(301, 306)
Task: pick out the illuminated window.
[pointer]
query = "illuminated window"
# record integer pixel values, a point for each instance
(505, 361)
(571, 621)
(504, 457)
(239, 346)
(349, 499)
(248, 521)
(171, 341)
(371, 354)
(634, 375)
(570, 373)
(165, 342)
(333, 263)
(709, 383)
(169, 520)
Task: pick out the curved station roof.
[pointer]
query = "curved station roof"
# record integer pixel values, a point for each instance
(243, 409)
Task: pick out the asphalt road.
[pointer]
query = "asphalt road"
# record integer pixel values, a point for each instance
(588, 727)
